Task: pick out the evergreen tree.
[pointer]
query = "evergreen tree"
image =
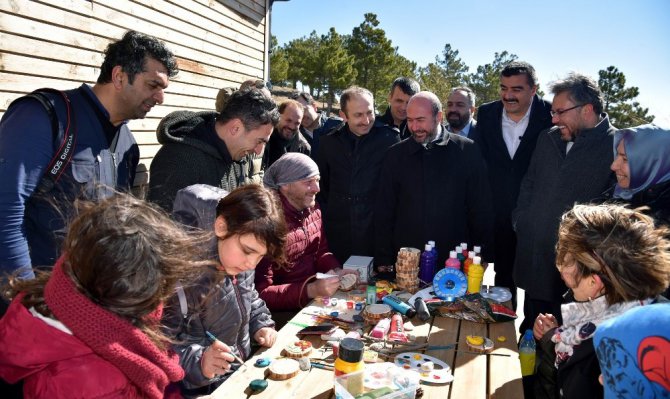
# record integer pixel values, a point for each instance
(485, 83)
(444, 74)
(278, 63)
(619, 100)
(302, 55)
(336, 68)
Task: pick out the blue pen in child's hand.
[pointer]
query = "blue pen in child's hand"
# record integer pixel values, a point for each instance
(237, 358)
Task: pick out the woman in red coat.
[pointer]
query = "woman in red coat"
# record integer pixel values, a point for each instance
(90, 327)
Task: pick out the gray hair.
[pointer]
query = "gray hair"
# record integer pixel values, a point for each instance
(581, 89)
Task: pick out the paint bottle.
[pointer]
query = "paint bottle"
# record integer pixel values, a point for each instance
(527, 353)
(397, 331)
(452, 262)
(350, 360)
(426, 266)
(371, 295)
(464, 247)
(460, 256)
(434, 250)
(400, 306)
(478, 250)
(468, 262)
(421, 309)
(382, 327)
(475, 275)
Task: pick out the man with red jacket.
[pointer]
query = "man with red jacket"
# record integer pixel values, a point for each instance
(289, 287)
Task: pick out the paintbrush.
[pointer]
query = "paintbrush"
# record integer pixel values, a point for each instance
(237, 358)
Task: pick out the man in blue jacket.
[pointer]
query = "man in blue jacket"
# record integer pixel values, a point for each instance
(104, 156)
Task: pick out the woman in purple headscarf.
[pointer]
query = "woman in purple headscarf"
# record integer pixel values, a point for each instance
(642, 168)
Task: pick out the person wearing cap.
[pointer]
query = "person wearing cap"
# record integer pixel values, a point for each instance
(290, 286)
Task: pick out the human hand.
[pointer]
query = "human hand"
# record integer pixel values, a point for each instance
(543, 324)
(216, 359)
(323, 287)
(266, 336)
(341, 272)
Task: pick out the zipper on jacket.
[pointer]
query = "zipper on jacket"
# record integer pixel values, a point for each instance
(243, 313)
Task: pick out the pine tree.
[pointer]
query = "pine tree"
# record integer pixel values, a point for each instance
(619, 100)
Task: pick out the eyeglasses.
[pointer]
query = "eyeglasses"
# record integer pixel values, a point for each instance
(562, 111)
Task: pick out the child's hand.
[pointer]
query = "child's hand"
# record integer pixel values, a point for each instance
(266, 336)
(216, 360)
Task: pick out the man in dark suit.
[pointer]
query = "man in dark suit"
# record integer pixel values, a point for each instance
(460, 109)
(507, 131)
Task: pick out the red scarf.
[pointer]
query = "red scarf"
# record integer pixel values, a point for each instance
(111, 337)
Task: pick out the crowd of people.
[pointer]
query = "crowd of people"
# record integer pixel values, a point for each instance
(249, 201)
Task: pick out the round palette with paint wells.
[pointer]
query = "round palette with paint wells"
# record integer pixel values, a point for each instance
(450, 284)
(498, 294)
(439, 372)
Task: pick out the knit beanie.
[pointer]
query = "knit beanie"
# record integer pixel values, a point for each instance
(291, 167)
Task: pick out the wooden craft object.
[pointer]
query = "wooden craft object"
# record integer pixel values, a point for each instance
(298, 349)
(283, 369)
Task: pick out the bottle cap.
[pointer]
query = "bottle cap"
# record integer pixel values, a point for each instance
(452, 254)
(432, 243)
(477, 260)
(428, 247)
(351, 350)
(464, 245)
(528, 334)
(471, 255)
(459, 250)
(478, 249)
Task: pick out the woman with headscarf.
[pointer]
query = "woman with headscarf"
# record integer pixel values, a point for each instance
(290, 286)
(612, 259)
(642, 168)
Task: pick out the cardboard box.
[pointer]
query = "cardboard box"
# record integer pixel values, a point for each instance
(362, 264)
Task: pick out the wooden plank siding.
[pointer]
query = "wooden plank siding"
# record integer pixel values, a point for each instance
(59, 44)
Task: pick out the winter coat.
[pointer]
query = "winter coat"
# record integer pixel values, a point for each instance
(350, 168)
(278, 146)
(55, 364)
(229, 308)
(192, 153)
(32, 225)
(326, 125)
(387, 118)
(436, 193)
(553, 184)
(285, 288)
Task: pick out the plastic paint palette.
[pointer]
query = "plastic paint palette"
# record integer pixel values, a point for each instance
(498, 294)
(441, 373)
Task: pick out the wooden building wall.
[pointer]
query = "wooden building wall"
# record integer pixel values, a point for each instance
(59, 43)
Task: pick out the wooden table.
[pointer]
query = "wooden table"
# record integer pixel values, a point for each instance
(475, 376)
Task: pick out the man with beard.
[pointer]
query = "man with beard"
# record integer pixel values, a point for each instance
(507, 131)
(287, 287)
(433, 186)
(350, 159)
(396, 113)
(286, 137)
(460, 108)
(314, 124)
(211, 148)
(99, 149)
(571, 164)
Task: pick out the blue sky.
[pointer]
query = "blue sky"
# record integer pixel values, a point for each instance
(555, 37)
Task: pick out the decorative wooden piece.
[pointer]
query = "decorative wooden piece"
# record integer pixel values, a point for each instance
(283, 369)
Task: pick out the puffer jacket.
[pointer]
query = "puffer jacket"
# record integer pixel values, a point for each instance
(192, 153)
(284, 288)
(229, 308)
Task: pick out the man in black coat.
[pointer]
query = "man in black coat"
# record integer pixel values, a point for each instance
(349, 160)
(396, 113)
(507, 131)
(570, 165)
(433, 186)
(460, 112)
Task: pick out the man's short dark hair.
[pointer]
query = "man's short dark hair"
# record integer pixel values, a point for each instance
(408, 86)
(131, 54)
(250, 106)
(581, 89)
(520, 68)
(306, 97)
(353, 91)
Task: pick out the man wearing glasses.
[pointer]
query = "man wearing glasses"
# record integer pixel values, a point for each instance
(507, 132)
(570, 164)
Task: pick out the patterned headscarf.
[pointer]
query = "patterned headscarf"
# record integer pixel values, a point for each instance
(647, 148)
(291, 167)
